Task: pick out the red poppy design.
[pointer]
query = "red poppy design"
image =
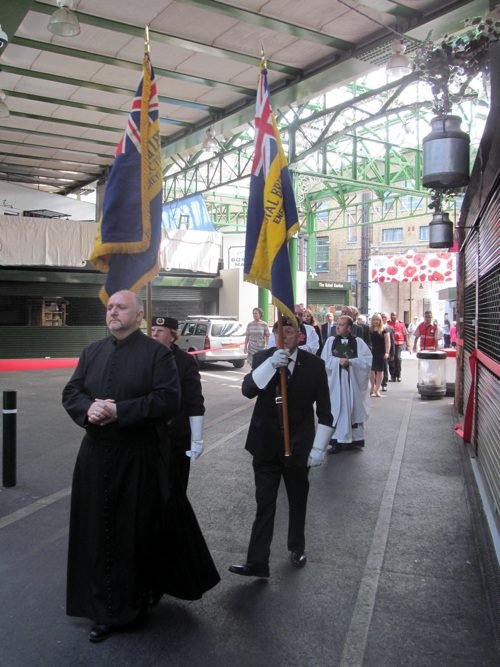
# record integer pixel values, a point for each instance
(419, 259)
(444, 255)
(437, 276)
(381, 279)
(410, 271)
(449, 264)
(422, 277)
(434, 263)
(392, 270)
(399, 261)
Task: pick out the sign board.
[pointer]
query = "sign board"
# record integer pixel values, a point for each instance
(236, 257)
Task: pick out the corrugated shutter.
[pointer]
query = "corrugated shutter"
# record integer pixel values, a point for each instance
(489, 236)
(328, 297)
(49, 289)
(488, 431)
(39, 342)
(467, 379)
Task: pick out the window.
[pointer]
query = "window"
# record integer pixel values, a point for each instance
(352, 232)
(410, 203)
(388, 204)
(322, 253)
(423, 233)
(352, 270)
(393, 235)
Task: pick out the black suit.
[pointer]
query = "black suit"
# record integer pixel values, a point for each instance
(192, 405)
(308, 385)
(324, 331)
(361, 330)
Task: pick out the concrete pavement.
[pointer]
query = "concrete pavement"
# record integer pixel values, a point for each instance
(395, 576)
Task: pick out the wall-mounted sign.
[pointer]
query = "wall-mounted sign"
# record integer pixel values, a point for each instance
(236, 257)
(327, 284)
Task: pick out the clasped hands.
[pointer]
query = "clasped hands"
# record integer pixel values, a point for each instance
(102, 412)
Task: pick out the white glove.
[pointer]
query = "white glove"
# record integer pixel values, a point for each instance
(196, 450)
(196, 425)
(321, 440)
(305, 347)
(280, 358)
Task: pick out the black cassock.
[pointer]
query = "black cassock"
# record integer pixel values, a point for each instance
(123, 495)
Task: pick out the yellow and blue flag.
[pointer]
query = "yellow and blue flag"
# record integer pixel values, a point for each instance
(129, 231)
(272, 213)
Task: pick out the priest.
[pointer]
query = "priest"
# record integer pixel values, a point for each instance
(348, 362)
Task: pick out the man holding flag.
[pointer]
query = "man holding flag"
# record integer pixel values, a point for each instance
(279, 449)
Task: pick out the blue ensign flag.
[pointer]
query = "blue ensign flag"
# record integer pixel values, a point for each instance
(272, 213)
(129, 232)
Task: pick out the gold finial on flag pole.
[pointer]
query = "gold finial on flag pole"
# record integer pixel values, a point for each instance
(146, 39)
(263, 62)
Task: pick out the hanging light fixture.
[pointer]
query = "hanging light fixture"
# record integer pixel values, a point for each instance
(398, 64)
(63, 21)
(3, 37)
(210, 145)
(4, 109)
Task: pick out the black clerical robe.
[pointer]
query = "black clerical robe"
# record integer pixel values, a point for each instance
(116, 518)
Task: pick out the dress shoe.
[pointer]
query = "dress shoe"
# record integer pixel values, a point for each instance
(399, 379)
(251, 569)
(383, 389)
(335, 447)
(154, 597)
(298, 558)
(100, 632)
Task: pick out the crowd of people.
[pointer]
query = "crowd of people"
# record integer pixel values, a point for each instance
(133, 533)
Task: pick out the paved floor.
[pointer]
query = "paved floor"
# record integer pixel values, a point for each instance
(393, 575)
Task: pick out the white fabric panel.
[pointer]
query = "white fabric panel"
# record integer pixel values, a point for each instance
(190, 249)
(45, 242)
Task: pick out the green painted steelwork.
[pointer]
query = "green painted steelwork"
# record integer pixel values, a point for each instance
(64, 121)
(64, 103)
(62, 150)
(129, 64)
(81, 83)
(265, 21)
(12, 155)
(59, 136)
(13, 13)
(165, 38)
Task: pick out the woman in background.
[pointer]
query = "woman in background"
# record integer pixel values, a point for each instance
(257, 335)
(453, 334)
(381, 346)
(311, 320)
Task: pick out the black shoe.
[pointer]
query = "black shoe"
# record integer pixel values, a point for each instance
(399, 379)
(383, 388)
(100, 632)
(298, 558)
(392, 380)
(251, 569)
(154, 597)
(335, 447)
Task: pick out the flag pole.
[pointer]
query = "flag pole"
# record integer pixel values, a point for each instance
(284, 396)
(149, 289)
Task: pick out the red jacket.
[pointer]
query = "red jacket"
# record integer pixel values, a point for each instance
(399, 331)
(427, 336)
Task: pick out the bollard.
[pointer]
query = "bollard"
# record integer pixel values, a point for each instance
(9, 438)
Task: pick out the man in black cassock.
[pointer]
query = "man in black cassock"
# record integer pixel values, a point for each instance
(307, 385)
(186, 428)
(123, 389)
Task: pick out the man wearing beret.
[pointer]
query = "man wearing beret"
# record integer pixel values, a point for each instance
(185, 429)
(307, 384)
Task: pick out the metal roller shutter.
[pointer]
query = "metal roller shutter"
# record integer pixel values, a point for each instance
(325, 296)
(488, 431)
(39, 342)
(489, 236)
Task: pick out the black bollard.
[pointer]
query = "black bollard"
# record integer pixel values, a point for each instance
(9, 438)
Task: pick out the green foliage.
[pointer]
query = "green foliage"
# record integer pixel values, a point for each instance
(450, 66)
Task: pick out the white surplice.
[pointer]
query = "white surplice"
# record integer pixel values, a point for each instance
(349, 391)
